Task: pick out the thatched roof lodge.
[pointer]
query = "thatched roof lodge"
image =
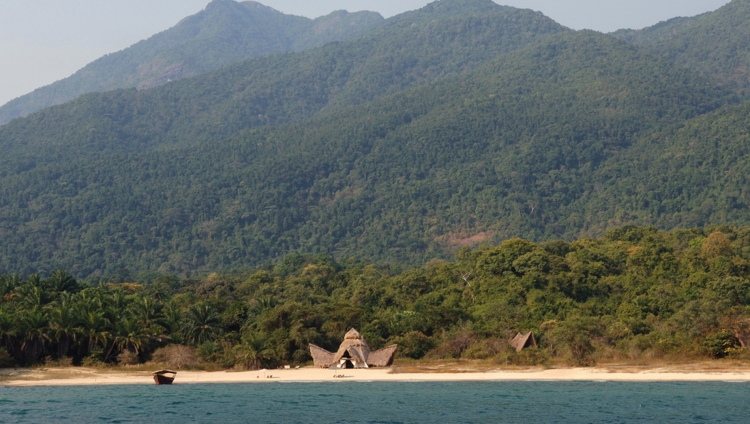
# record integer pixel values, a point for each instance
(522, 341)
(354, 352)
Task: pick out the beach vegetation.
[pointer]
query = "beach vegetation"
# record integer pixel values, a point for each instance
(635, 294)
(175, 356)
(6, 360)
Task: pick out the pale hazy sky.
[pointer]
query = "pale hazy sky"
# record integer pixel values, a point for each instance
(42, 41)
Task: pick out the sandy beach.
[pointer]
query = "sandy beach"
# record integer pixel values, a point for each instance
(87, 376)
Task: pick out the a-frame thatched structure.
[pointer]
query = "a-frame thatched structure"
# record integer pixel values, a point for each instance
(522, 341)
(354, 352)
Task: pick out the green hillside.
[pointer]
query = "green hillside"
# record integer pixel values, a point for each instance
(684, 176)
(502, 150)
(420, 47)
(225, 32)
(714, 44)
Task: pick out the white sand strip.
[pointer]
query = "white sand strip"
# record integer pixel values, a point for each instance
(82, 377)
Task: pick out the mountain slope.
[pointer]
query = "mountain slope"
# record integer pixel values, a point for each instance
(424, 46)
(687, 175)
(225, 32)
(714, 44)
(502, 150)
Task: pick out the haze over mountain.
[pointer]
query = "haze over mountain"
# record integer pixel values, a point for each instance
(415, 48)
(461, 123)
(714, 43)
(225, 32)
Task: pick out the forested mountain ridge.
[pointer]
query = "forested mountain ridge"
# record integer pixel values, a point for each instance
(225, 32)
(714, 43)
(412, 176)
(420, 47)
(683, 176)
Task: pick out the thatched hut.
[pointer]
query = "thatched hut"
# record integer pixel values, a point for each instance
(522, 341)
(354, 352)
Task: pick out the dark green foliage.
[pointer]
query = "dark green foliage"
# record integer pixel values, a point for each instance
(721, 344)
(714, 43)
(687, 175)
(6, 361)
(270, 90)
(635, 293)
(297, 86)
(439, 130)
(225, 32)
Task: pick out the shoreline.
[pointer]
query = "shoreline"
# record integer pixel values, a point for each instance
(97, 377)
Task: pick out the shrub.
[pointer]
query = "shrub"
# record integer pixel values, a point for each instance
(454, 345)
(175, 356)
(721, 344)
(94, 359)
(6, 361)
(576, 335)
(529, 356)
(413, 345)
(128, 358)
(487, 348)
(91, 362)
(62, 362)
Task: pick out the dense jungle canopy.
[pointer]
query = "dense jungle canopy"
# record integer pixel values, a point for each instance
(459, 123)
(636, 293)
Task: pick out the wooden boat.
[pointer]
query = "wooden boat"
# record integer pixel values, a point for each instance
(163, 377)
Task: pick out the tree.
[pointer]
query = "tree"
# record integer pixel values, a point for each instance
(202, 324)
(130, 336)
(35, 332)
(253, 351)
(60, 281)
(7, 330)
(576, 333)
(95, 329)
(63, 327)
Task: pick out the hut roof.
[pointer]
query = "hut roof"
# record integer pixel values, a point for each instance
(355, 345)
(353, 335)
(522, 341)
(321, 357)
(356, 348)
(382, 357)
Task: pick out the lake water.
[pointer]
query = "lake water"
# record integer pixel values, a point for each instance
(356, 402)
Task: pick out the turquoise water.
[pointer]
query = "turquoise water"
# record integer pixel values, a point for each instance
(354, 402)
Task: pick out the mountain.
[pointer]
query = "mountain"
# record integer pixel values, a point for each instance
(415, 49)
(714, 44)
(684, 176)
(504, 147)
(225, 32)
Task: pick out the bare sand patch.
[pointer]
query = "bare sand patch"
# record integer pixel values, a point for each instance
(75, 376)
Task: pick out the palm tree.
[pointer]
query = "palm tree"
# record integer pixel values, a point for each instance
(34, 280)
(7, 330)
(35, 332)
(116, 304)
(6, 285)
(131, 335)
(94, 294)
(201, 324)
(253, 351)
(160, 290)
(33, 296)
(94, 327)
(60, 281)
(146, 311)
(62, 322)
(90, 300)
(172, 316)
